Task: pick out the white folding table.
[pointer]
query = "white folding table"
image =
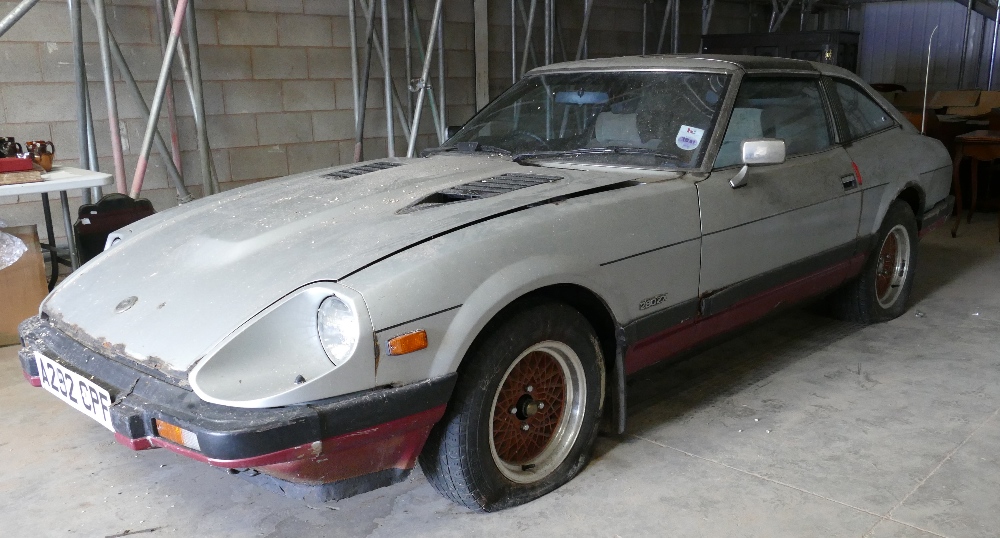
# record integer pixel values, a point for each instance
(60, 179)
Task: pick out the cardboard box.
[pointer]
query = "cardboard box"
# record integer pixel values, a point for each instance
(967, 103)
(987, 101)
(22, 285)
(954, 98)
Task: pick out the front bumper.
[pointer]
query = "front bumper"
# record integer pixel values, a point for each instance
(315, 443)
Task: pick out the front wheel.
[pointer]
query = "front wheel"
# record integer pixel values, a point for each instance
(881, 290)
(525, 412)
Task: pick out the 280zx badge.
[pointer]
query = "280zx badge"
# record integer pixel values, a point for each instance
(652, 301)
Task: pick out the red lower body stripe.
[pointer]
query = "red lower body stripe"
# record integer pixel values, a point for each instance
(690, 333)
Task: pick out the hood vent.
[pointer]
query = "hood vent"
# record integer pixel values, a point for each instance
(362, 169)
(483, 188)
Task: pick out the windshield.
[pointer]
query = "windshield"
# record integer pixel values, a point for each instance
(646, 119)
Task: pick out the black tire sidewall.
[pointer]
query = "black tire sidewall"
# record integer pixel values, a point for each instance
(479, 379)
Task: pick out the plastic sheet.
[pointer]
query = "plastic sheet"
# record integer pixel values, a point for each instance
(11, 248)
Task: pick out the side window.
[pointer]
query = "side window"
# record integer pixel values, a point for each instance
(864, 116)
(790, 109)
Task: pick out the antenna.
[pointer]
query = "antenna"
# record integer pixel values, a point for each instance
(927, 79)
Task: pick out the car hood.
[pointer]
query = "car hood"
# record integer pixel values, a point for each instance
(201, 270)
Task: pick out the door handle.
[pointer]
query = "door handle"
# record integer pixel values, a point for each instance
(849, 181)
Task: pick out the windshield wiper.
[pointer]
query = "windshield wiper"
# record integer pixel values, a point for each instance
(607, 150)
(560, 153)
(466, 147)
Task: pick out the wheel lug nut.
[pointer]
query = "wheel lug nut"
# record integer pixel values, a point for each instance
(513, 410)
(525, 427)
(541, 405)
(529, 388)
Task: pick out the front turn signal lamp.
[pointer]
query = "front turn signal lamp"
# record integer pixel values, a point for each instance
(176, 434)
(407, 343)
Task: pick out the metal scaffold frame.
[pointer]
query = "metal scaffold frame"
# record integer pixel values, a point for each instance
(177, 34)
(172, 45)
(423, 43)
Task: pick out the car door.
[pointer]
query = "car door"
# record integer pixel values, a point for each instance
(878, 145)
(791, 220)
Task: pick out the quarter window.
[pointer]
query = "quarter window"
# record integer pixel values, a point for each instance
(789, 109)
(864, 116)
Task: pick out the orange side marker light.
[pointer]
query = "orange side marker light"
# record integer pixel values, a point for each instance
(407, 343)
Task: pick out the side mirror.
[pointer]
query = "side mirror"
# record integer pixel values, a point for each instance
(451, 131)
(763, 151)
(758, 151)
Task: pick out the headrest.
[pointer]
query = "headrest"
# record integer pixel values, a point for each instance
(616, 128)
(744, 124)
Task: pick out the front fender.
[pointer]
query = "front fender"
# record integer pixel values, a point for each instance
(501, 289)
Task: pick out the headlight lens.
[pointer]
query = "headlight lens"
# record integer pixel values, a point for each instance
(338, 328)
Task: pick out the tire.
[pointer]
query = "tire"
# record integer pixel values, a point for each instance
(525, 412)
(882, 289)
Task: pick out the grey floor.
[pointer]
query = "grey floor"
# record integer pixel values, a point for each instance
(800, 427)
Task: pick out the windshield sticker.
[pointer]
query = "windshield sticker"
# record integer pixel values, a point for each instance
(689, 138)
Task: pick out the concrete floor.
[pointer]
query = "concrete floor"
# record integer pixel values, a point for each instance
(801, 427)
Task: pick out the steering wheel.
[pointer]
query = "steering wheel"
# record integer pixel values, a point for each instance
(528, 134)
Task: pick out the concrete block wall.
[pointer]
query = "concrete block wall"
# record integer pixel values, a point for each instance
(277, 84)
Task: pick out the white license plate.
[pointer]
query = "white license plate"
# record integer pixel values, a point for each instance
(76, 390)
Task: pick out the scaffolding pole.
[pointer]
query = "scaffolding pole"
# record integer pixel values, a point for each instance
(677, 27)
(110, 97)
(528, 26)
(403, 118)
(667, 10)
(175, 146)
(425, 73)
(585, 28)
(154, 109)
(408, 44)
(390, 136)
(359, 124)
(548, 32)
(778, 14)
(707, 6)
(209, 179)
(513, 41)
(15, 15)
(130, 83)
(965, 43)
(441, 129)
(442, 117)
(85, 129)
(993, 48)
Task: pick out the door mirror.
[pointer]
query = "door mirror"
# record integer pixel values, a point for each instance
(758, 151)
(452, 130)
(763, 151)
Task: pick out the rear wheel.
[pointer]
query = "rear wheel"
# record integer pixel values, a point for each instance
(881, 290)
(525, 412)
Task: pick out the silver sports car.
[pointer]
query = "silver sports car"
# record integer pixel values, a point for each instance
(479, 308)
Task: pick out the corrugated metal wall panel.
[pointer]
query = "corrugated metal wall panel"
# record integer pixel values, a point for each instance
(894, 44)
(984, 71)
